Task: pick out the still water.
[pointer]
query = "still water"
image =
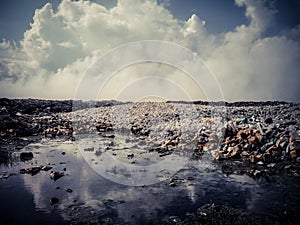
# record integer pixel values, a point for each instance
(86, 195)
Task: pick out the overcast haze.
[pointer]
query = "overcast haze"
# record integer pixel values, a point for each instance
(252, 47)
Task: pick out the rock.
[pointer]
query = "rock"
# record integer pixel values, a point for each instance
(91, 149)
(241, 121)
(32, 171)
(56, 175)
(244, 155)
(172, 184)
(4, 175)
(54, 200)
(46, 168)
(26, 156)
(69, 190)
(174, 220)
(242, 134)
(252, 140)
(259, 126)
(108, 135)
(283, 145)
(269, 120)
(190, 178)
(130, 156)
(227, 169)
(271, 165)
(267, 158)
(257, 173)
(258, 137)
(293, 154)
(233, 152)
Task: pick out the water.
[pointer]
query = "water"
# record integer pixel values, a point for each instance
(25, 199)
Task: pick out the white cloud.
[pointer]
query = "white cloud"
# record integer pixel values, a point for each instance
(61, 45)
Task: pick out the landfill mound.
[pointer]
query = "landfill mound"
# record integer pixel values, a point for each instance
(256, 138)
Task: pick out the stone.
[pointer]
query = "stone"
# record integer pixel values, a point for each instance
(267, 158)
(233, 152)
(91, 149)
(54, 200)
(172, 184)
(257, 173)
(56, 175)
(293, 154)
(46, 168)
(258, 137)
(4, 175)
(32, 171)
(130, 156)
(244, 155)
(252, 140)
(271, 165)
(242, 134)
(24, 156)
(69, 190)
(269, 120)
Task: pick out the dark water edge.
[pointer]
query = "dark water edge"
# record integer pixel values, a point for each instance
(96, 200)
(17, 206)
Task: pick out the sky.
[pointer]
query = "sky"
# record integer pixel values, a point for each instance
(250, 48)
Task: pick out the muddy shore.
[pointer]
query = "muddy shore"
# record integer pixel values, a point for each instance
(231, 149)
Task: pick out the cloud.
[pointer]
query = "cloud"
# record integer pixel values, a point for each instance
(62, 44)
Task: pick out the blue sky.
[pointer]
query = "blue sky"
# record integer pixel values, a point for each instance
(220, 15)
(251, 46)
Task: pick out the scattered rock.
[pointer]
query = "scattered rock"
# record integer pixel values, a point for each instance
(293, 154)
(130, 156)
(4, 175)
(46, 168)
(24, 156)
(32, 171)
(91, 149)
(56, 175)
(269, 120)
(172, 184)
(54, 200)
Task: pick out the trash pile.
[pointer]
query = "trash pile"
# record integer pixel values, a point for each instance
(254, 133)
(254, 141)
(259, 143)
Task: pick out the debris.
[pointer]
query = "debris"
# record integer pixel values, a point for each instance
(69, 190)
(130, 156)
(54, 200)
(91, 149)
(24, 156)
(56, 175)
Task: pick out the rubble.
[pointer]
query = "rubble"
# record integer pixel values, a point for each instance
(251, 132)
(26, 156)
(260, 142)
(54, 200)
(35, 170)
(56, 175)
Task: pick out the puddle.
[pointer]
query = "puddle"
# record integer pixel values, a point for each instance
(84, 194)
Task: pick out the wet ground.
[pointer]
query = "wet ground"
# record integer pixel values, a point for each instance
(85, 197)
(149, 163)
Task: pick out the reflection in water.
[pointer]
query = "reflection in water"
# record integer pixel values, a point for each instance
(94, 197)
